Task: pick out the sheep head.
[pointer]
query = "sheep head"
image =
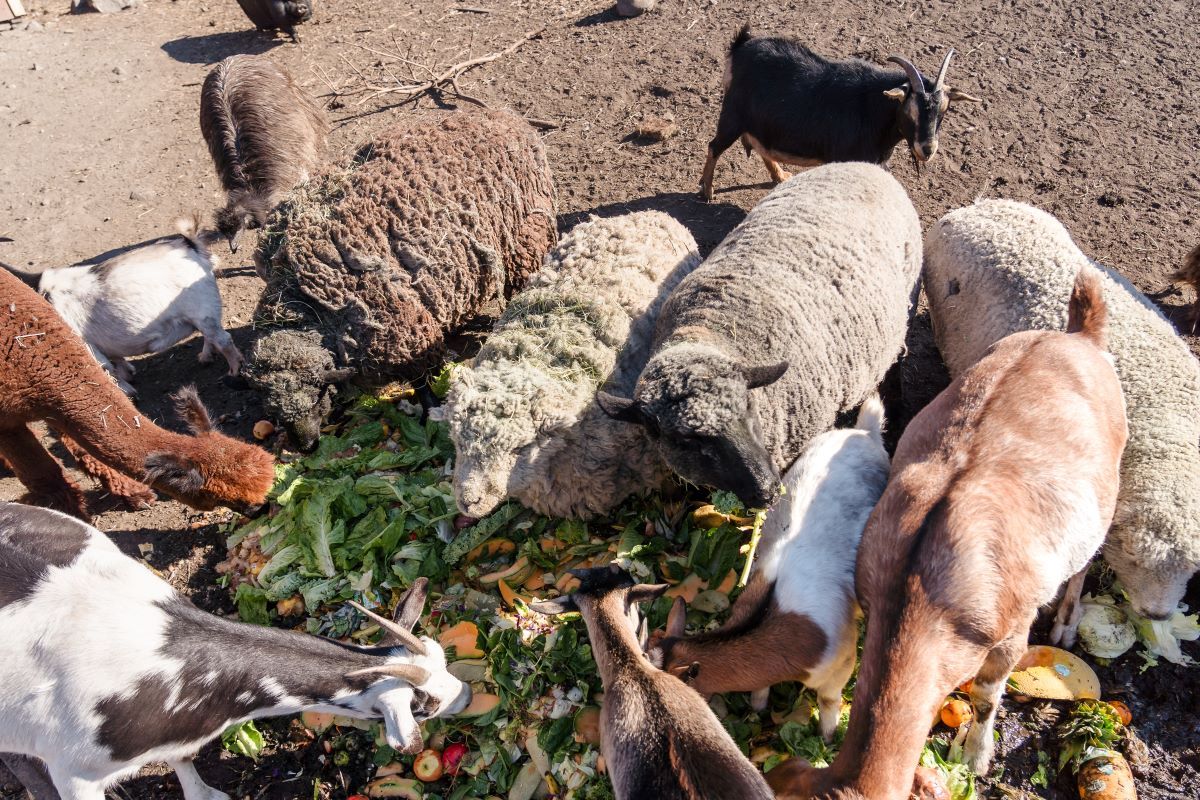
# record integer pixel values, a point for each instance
(695, 403)
(297, 377)
(501, 416)
(1155, 577)
(211, 469)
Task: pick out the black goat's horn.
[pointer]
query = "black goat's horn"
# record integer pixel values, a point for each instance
(941, 78)
(915, 80)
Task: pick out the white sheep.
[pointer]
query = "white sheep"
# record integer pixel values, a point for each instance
(523, 416)
(1000, 266)
(144, 301)
(806, 301)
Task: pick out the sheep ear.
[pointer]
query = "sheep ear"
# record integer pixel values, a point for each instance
(645, 592)
(409, 609)
(897, 94)
(559, 605)
(677, 619)
(758, 377)
(188, 405)
(173, 471)
(624, 409)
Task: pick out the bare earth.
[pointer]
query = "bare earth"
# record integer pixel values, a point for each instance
(1090, 112)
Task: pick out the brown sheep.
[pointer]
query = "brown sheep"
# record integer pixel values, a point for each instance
(265, 135)
(372, 264)
(47, 373)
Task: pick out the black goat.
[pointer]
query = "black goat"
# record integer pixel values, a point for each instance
(790, 105)
(284, 15)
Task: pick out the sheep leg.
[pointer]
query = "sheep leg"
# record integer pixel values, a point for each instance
(134, 495)
(1066, 619)
(194, 787)
(32, 774)
(986, 691)
(45, 482)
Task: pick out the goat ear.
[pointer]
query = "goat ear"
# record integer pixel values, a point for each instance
(685, 672)
(188, 405)
(173, 471)
(897, 94)
(400, 727)
(409, 609)
(559, 605)
(758, 377)
(624, 409)
(645, 592)
(677, 619)
(955, 96)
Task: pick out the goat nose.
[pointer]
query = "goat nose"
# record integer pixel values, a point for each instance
(927, 150)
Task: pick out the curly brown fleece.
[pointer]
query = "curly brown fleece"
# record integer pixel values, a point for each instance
(47, 374)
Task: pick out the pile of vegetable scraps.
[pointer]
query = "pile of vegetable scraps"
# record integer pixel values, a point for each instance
(371, 510)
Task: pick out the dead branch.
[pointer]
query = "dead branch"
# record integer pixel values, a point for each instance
(439, 82)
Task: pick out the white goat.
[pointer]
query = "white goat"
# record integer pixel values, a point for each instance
(143, 302)
(106, 668)
(797, 619)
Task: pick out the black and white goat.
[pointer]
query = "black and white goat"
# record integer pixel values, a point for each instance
(791, 105)
(660, 738)
(106, 668)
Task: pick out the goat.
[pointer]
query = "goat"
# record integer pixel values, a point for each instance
(47, 374)
(797, 618)
(265, 136)
(1001, 489)
(1189, 273)
(106, 667)
(659, 738)
(270, 15)
(143, 301)
(790, 105)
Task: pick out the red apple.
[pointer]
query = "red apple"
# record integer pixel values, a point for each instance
(428, 765)
(452, 757)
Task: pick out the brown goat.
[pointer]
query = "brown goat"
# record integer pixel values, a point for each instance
(47, 373)
(660, 739)
(1001, 490)
(1189, 273)
(265, 136)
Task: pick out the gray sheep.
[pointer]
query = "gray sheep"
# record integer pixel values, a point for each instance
(265, 135)
(808, 299)
(370, 266)
(523, 416)
(998, 267)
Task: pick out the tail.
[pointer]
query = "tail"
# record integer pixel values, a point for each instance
(30, 279)
(743, 36)
(191, 231)
(870, 417)
(1087, 314)
(1189, 273)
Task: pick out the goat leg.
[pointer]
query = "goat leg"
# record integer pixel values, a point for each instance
(986, 691)
(32, 774)
(194, 787)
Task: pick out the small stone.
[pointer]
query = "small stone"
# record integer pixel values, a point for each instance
(634, 8)
(34, 25)
(656, 129)
(118, 70)
(37, 67)
(141, 195)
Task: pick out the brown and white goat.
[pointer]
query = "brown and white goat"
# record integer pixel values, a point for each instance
(797, 619)
(48, 374)
(265, 135)
(1001, 490)
(660, 739)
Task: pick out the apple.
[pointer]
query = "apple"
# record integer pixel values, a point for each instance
(452, 757)
(428, 765)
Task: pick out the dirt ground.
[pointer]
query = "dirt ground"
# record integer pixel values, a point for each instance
(1090, 111)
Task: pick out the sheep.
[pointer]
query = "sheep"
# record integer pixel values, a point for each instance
(1001, 489)
(808, 297)
(523, 416)
(658, 737)
(430, 225)
(264, 133)
(797, 618)
(47, 373)
(270, 15)
(142, 302)
(138, 674)
(999, 266)
(789, 104)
